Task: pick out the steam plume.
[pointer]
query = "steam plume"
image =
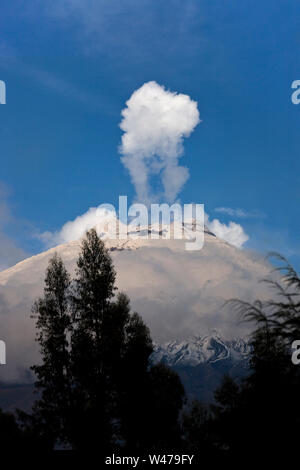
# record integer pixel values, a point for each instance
(155, 122)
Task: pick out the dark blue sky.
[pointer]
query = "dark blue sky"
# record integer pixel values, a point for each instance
(70, 66)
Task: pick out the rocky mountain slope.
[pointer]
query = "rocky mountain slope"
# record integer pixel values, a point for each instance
(198, 350)
(201, 362)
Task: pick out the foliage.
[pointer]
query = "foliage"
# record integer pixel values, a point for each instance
(97, 388)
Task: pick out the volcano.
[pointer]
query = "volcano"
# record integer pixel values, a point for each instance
(178, 293)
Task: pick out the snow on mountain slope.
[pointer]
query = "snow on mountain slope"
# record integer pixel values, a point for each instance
(137, 237)
(198, 350)
(202, 361)
(179, 293)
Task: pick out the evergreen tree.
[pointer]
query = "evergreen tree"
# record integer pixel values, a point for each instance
(166, 398)
(53, 322)
(197, 432)
(93, 393)
(11, 436)
(98, 391)
(110, 350)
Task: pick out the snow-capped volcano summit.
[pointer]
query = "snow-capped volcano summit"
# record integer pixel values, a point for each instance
(179, 293)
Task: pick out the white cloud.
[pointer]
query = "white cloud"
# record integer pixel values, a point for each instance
(75, 229)
(155, 122)
(240, 213)
(10, 253)
(232, 232)
(104, 219)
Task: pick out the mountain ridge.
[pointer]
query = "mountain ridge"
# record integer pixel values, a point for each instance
(197, 350)
(201, 371)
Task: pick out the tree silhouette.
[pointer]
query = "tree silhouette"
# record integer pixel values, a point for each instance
(198, 432)
(98, 390)
(53, 381)
(266, 404)
(259, 416)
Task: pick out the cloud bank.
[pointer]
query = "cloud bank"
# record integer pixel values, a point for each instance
(75, 229)
(99, 217)
(155, 122)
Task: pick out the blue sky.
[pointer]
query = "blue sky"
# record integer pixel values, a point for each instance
(69, 68)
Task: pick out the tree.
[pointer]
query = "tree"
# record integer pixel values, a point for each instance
(227, 394)
(53, 382)
(266, 404)
(197, 433)
(98, 389)
(93, 290)
(11, 436)
(166, 398)
(110, 349)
